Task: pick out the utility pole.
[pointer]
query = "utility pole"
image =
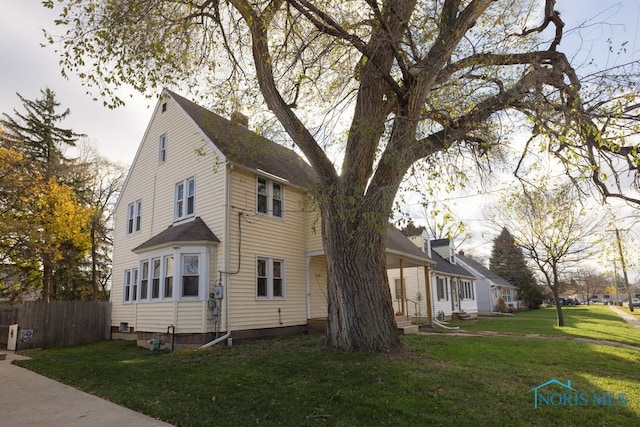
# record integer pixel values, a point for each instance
(624, 270)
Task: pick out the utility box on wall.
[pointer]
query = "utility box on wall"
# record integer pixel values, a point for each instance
(12, 343)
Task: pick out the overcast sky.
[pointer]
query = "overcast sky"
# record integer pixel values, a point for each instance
(27, 67)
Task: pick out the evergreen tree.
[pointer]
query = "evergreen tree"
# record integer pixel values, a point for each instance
(36, 135)
(50, 222)
(508, 262)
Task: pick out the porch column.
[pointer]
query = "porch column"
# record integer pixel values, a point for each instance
(402, 289)
(427, 286)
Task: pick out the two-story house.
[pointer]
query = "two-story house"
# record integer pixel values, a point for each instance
(216, 236)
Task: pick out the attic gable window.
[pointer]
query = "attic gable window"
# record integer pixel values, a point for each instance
(185, 195)
(162, 148)
(270, 197)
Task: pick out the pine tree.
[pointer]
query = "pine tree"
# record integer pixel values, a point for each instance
(36, 135)
(50, 216)
(508, 262)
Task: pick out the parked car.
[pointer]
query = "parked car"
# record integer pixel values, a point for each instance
(635, 302)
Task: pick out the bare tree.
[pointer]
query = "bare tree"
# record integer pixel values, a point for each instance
(103, 181)
(555, 230)
(409, 78)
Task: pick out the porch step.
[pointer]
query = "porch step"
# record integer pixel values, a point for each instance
(405, 326)
(463, 316)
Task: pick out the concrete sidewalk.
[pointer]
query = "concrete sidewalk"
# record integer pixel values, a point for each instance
(29, 399)
(629, 318)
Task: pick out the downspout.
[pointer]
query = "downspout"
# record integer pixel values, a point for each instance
(227, 250)
(308, 266)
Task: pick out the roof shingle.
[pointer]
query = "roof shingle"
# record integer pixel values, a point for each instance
(192, 231)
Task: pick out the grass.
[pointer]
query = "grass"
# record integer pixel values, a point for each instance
(590, 322)
(437, 380)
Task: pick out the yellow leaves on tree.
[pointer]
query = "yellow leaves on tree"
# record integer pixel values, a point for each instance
(57, 218)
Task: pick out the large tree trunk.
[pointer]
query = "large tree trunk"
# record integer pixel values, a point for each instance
(360, 315)
(47, 279)
(94, 263)
(555, 289)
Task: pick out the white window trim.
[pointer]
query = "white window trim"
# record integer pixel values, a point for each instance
(134, 217)
(162, 148)
(203, 254)
(133, 275)
(270, 197)
(144, 270)
(185, 199)
(270, 296)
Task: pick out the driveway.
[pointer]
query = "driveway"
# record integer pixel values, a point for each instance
(29, 399)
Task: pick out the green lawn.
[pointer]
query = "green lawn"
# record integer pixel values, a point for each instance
(438, 380)
(594, 322)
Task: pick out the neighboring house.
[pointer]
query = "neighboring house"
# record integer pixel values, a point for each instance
(452, 288)
(489, 286)
(216, 236)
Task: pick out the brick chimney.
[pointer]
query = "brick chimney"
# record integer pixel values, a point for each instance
(239, 118)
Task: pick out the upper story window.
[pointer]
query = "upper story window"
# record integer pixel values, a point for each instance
(134, 217)
(162, 148)
(185, 194)
(269, 278)
(270, 197)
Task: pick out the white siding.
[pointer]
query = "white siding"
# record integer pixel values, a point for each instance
(268, 237)
(188, 154)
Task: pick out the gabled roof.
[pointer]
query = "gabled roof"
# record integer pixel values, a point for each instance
(484, 271)
(436, 243)
(398, 244)
(248, 149)
(444, 266)
(186, 232)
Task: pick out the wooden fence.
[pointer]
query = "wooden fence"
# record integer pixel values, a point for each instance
(56, 324)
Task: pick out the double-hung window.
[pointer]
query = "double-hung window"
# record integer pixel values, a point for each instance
(155, 278)
(190, 275)
(400, 288)
(130, 291)
(270, 197)
(144, 280)
(270, 278)
(172, 275)
(134, 217)
(440, 288)
(168, 277)
(130, 278)
(185, 194)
